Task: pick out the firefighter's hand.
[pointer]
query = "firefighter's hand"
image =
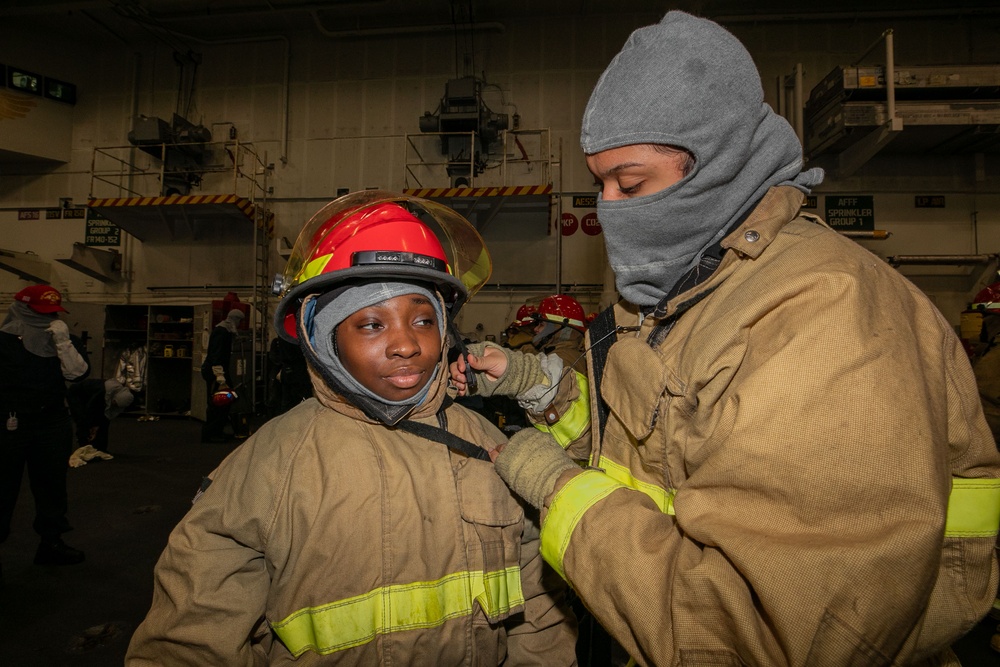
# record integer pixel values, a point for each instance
(71, 362)
(528, 378)
(531, 463)
(489, 361)
(59, 331)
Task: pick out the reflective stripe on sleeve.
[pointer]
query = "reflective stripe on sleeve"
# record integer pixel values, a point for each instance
(664, 498)
(574, 422)
(357, 620)
(568, 506)
(973, 508)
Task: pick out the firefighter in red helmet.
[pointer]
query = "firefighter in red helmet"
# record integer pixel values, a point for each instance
(377, 493)
(519, 333)
(560, 328)
(986, 362)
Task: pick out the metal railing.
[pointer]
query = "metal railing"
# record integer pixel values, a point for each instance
(131, 171)
(523, 157)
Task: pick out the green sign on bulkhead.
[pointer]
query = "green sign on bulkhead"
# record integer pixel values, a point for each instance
(851, 212)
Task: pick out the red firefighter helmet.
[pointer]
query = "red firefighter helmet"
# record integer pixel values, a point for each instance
(223, 397)
(562, 309)
(988, 298)
(375, 234)
(527, 315)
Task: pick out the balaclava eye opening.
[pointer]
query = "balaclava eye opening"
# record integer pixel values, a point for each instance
(324, 314)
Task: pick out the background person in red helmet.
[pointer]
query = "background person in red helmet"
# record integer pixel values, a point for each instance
(986, 362)
(519, 333)
(560, 328)
(37, 357)
(366, 525)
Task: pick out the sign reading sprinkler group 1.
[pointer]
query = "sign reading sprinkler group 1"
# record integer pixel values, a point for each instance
(851, 212)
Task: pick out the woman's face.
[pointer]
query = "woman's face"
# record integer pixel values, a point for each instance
(635, 171)
(391, 348)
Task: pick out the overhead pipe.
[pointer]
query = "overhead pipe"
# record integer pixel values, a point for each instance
(823, 17)
(269, 8)
(128, 242)
(53, 8)
(941, 260)
(874, 234)
(397, 31)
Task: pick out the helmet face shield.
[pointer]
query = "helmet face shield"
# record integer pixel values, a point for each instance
(375, 234)
(562, 309)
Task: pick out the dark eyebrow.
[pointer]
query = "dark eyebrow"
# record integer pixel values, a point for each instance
(623, 166)
(620, 167)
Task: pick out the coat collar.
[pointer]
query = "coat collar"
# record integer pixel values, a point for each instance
(780, 205)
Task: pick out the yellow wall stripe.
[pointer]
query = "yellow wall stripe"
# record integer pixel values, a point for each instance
(510, 190)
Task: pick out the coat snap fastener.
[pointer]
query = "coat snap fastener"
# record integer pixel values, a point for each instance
(751, 236)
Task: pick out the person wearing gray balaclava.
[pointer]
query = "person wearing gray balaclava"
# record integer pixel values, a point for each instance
(217, 373)
(789, 463)
(38, 356)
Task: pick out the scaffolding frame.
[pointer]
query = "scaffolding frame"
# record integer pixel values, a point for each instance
(120, 182)
(417, 168)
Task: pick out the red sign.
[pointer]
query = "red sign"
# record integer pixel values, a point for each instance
(590, 225)
(569, 224)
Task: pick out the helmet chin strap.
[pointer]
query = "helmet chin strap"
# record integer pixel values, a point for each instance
(452, 332)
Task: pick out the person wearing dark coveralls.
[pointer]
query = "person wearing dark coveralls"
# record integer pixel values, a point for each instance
(217, 375)
(37, 357)
(292, 375)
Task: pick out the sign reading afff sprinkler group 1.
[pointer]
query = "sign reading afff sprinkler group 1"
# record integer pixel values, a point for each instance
(851, 212)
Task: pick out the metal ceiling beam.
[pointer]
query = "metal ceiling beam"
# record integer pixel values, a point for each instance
(25, 266)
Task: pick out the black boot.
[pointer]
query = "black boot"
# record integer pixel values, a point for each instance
(57, 552)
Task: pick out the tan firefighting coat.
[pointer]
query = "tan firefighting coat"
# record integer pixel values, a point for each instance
(774, 479)
(342, 541)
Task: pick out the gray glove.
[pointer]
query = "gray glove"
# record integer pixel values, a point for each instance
(220, 374)
(528, 377)
(531, 463)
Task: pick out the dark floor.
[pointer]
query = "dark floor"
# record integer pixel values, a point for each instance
(123, 510)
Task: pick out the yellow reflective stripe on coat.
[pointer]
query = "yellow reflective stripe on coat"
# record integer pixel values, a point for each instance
(973, 508)
(664, 498)
(357, 620)
(572, 424)
(568, 506)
